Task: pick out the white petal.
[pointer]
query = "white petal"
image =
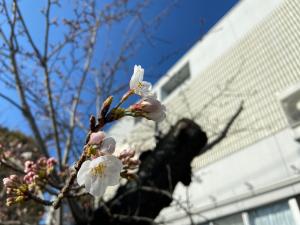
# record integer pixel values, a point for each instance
(112, 161)
(98, 187)
(95, 162)
(83, 172)
(88, 182)
(113, 178)
(108, 145)
(151, 105)
(137, 76)
(145, 90)
(152, 95)
(156, 116)
(113, 170)
(146, 86)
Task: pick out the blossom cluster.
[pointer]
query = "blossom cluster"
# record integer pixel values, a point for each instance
(39, 170)
(15, 189)
(104, 169)
(99, 167)
(18, 189)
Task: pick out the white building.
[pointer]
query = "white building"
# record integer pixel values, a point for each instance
(253, 176)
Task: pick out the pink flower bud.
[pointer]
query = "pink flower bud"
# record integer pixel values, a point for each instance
(28, 166)
(96, 138)
(51, 162)
(13, 177)
(150, 108)
(134, 162)
(7, 182)
(27, 179)
(127, 154)
(9, 191)
(31, 174)
(28, 163)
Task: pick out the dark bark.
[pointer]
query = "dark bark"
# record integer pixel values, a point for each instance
(140, 201)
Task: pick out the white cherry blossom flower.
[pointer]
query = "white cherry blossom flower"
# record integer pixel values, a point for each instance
(140, 87)
(151, 109)
(99, 173)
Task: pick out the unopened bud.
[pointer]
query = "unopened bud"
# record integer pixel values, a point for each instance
(9, 191)
(7, 182)
(96, 138)
(115, 114)
(105, 106)
(13, 177)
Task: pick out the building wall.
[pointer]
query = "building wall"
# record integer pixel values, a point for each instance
(262, 173)
(251, 55)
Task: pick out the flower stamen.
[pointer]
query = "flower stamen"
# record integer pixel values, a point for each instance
(98, 170)
(140, 85)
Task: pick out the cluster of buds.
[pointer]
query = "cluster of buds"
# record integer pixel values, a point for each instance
(39, 170)
(130, 164)
(103, 168)
(15, 189)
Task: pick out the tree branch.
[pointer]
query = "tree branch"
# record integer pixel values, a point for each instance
(26, 109)
(86, 68)
(225, 130)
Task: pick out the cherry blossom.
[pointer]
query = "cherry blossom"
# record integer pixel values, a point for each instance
(140, 87)
(99, 173)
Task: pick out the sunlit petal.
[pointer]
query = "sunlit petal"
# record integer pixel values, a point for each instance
(108, 145)
(83, 172)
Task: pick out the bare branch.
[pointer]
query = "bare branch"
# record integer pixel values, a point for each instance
(26, 109)
(225, 130)
(87, 64)
(11, 101)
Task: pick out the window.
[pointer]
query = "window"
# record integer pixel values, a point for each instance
(276, 214)
(175, 81)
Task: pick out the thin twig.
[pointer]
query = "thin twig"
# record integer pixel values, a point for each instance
(225, 130)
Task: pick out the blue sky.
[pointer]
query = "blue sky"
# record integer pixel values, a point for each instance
(184, 25)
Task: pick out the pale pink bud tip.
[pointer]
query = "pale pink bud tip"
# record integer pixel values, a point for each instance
(127, 153)
(96, 138)
(28, 163)
(51, 161)
(6, 181)
(13, 177)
